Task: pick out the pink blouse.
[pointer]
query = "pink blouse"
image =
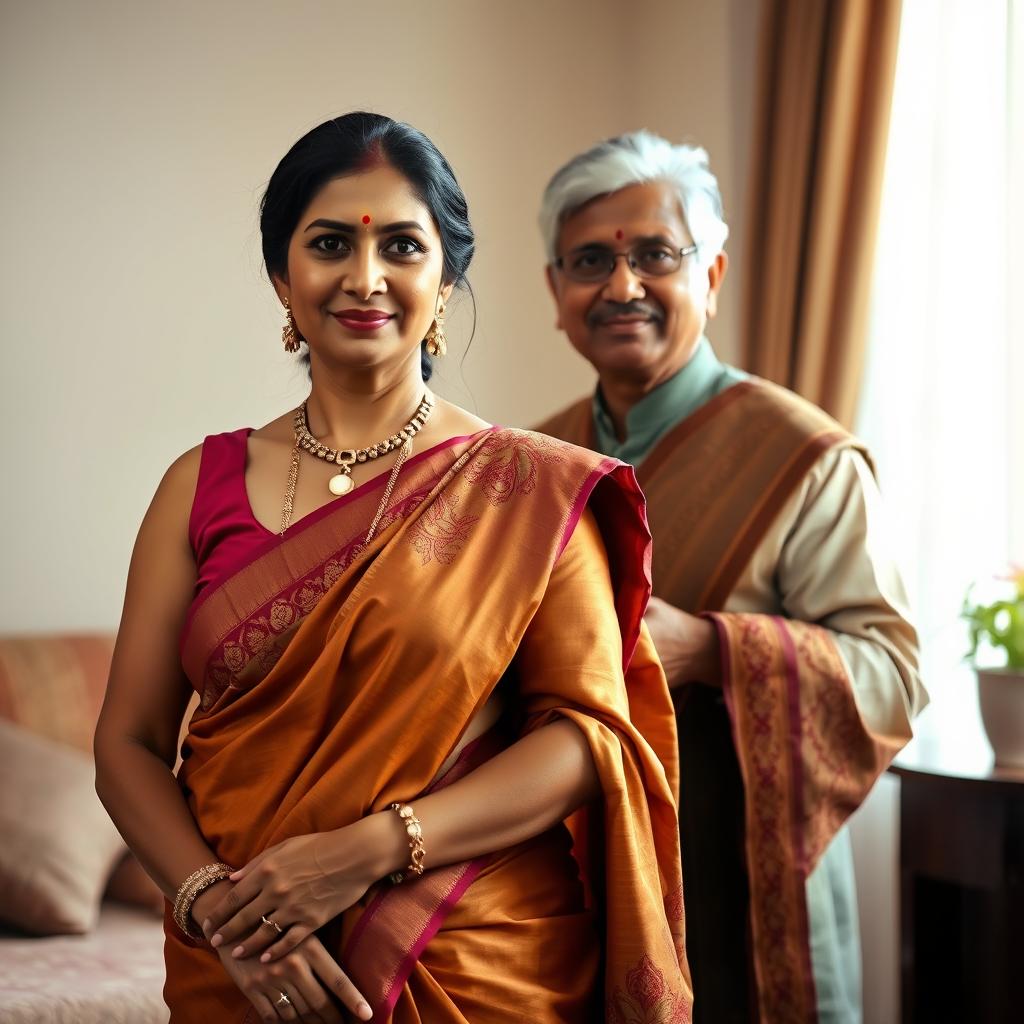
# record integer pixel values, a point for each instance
(222, 530)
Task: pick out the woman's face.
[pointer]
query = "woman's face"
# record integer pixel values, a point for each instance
(364, 271)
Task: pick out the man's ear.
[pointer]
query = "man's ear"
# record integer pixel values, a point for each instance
(716, 275)
(549, 274)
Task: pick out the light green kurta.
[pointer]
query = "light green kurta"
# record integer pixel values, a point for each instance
(831, 891)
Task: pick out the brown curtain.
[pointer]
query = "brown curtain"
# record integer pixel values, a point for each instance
(822, 121)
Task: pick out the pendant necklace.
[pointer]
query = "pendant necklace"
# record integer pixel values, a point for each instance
(341, 483)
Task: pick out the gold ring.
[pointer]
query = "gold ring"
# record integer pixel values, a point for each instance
(272, 923)
(284, 1000)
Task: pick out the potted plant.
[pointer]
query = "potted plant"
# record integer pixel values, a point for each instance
(997, 635)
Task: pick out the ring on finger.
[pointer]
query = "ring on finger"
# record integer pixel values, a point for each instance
(284, 1000)
(273, 924)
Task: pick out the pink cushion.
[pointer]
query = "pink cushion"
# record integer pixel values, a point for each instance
(59, 845)
(53, 683)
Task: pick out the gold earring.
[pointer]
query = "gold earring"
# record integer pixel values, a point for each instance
(437, 344)
(290, 332)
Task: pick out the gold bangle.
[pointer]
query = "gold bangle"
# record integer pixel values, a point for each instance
(417, 851)
(189, 891)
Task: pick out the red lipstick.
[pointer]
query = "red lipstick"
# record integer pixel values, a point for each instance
(362, 319)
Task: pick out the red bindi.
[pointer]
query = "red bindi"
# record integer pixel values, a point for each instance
(618, 234)
(366, 218)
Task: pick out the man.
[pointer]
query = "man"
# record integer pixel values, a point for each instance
(778, 611)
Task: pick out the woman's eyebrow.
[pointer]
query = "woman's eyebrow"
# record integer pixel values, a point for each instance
(333, 225)
(337, 225)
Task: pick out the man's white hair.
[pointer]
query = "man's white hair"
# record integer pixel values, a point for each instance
(634, 159)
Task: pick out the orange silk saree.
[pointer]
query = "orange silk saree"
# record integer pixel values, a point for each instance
(337, 677)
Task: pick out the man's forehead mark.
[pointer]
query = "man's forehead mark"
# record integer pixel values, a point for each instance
(619, 234)
(366, 218)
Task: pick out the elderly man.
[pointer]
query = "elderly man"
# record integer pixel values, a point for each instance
(778, 611)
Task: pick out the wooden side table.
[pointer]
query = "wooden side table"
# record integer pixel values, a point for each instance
(962, 886)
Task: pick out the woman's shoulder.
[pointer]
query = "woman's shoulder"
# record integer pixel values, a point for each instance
(183, 473)
(180, 481)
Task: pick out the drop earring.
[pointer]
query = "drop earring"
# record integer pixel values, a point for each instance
(290, 332)
(437, 344)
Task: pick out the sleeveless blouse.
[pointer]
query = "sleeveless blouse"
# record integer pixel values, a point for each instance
(222, 530)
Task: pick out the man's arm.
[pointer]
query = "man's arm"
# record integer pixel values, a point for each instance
(830, 561)
(837, 569)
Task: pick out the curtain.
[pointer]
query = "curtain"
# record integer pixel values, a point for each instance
(822, 118)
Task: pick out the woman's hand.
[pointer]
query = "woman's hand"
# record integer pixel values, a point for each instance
(290, 890)
(298, 986)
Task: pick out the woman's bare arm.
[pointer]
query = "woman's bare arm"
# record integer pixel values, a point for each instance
(137, 737)
(137, 734)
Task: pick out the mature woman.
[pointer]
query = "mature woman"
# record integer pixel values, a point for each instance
(418, 647)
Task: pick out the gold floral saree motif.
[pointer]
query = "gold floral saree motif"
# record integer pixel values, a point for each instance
(338, 677)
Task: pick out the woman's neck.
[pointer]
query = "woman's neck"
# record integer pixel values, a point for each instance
(353, 411)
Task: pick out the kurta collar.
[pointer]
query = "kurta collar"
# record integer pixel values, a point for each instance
(660, 410)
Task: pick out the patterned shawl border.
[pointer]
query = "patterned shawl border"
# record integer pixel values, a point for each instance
(782, 967)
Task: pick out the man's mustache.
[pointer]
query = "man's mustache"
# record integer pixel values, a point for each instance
(611, 310)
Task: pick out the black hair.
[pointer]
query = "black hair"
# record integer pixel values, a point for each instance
(347, 145)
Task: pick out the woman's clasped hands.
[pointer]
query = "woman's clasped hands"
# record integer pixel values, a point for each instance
(284, 894)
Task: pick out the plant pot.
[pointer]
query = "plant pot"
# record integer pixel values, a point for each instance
(1001, 698)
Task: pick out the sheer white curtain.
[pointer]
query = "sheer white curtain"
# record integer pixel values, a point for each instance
(942, 401)
(943, 371)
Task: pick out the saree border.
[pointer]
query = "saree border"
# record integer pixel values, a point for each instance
(287, 562)
(431, 897)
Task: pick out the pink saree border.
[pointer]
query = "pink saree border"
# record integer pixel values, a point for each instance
(277, 540)
(605, 467)
(441, 888)
(289, 564)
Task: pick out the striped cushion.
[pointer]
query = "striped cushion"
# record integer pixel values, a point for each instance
(53, 683)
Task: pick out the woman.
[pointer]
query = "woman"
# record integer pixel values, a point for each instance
(405, 662)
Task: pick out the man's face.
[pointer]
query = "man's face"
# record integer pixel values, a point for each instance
(641, 329)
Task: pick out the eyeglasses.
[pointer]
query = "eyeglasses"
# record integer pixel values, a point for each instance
(595, 263)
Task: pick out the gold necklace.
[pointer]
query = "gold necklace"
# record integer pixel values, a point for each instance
(342, 483)
(403, 439)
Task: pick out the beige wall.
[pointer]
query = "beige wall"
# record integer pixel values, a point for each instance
(137, 139)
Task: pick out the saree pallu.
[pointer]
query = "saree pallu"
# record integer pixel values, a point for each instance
(337, 677)
(770, 776)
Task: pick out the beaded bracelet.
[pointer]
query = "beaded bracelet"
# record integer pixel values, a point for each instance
(189, 891)
(417, 850)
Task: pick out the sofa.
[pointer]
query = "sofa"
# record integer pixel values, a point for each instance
(81, 938)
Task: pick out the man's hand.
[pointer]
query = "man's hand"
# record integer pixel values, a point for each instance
(686, 645)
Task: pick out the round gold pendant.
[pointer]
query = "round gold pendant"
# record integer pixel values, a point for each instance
(340, 484)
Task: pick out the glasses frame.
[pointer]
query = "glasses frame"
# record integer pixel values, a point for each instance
(687, 250)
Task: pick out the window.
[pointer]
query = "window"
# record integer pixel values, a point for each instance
(944, 382)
